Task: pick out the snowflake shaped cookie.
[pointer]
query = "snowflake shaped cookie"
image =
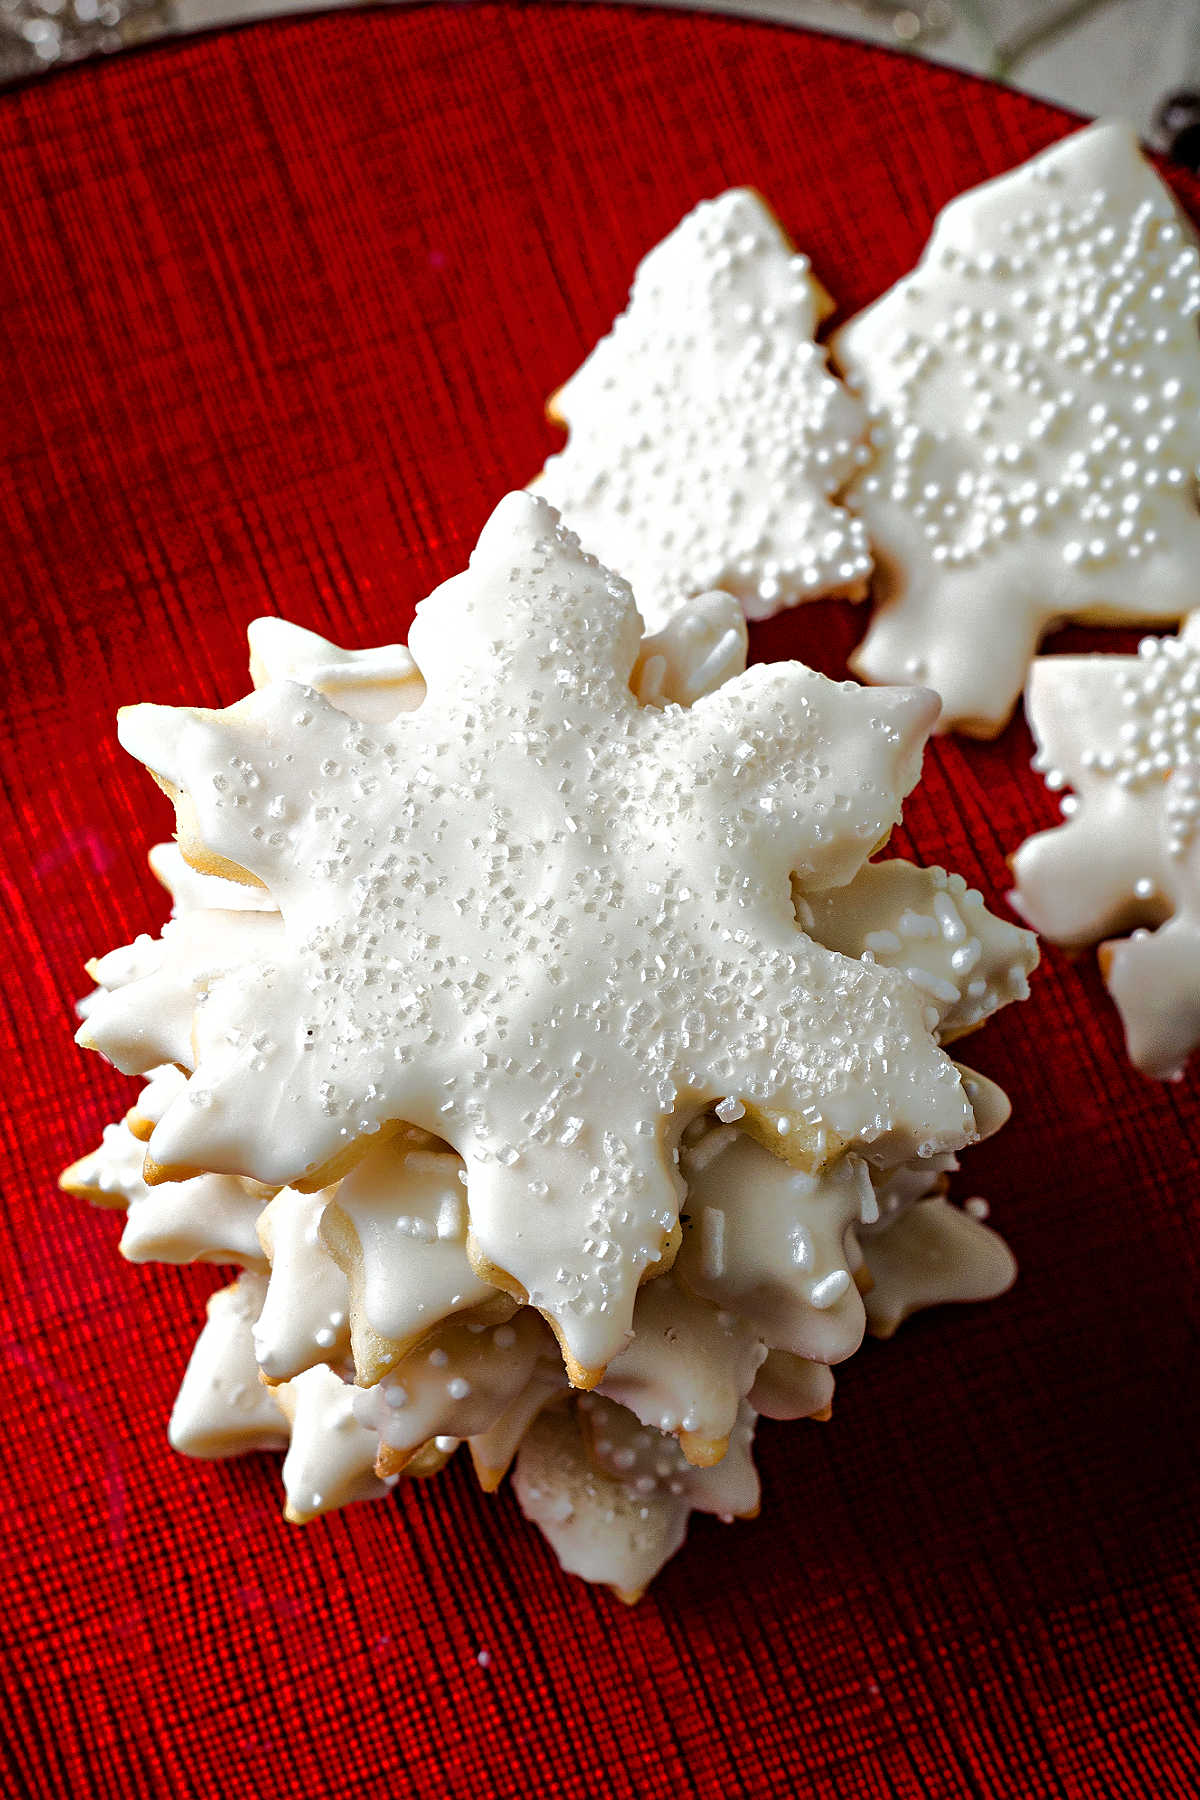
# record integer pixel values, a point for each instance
(211, 1218)
(1035, 391)
(614, 1500)
(935, 1255)
(707, 437)
(1123, 734)
(223, 1409)
(397, 1228)
(547, 924)
(371, 685)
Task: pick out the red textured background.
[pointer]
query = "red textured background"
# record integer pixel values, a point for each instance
(278, 310)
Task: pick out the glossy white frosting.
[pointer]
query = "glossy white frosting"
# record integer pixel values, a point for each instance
(445, 920)
(708, 439)
(370, 685)
(964, 961)
(792, 1387)
(619, 1528)
(768, 1243)
(936, 1253)
(459, 1383)
(330, 1460)
(305, 1318)
(379, 1263)
(222, 1408)
(686, 1369)
(211, 1218)
(1122, 735)
(1034, 387)
(398, 1227)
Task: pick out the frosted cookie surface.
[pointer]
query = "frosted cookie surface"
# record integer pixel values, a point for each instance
(1034, 387)
(548, 924)
(707, 436)
(1123, 734)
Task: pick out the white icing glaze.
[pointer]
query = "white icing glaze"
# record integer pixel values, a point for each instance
(934, 1254)
(454, 953)
(492, 1450)
(768, 1243)
(1154, 977)
(699, 646)
(305, 1319)
(163, 1087)
(145, 1015)
(700, 643)
(222, 1408)
(707, 436)
(209, 1219)
(792, 1387)
(430, 1459)
(686, 1369)
(458, 1383)
(370, 685)
(647, 1462)
(398, 1226)
(599, 1526)
(331, 1456)
(898, 1188)
(1123, 733)
(936, 930)
(1035, 390)
(595, 1526)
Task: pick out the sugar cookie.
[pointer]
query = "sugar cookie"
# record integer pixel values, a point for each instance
(1035, 393)
(1123, 734)
(144, 1011)
(792, 1387)
(699, 646)
(934, 1254)
(708, 439)
(600, 1525)
(370, 685)
(459, 1383)
(222, 1408)
(161, 1088)
(330, 1460)
(191, 891)
(645, 1461)
(767, 1243)
(493, 1450)
(964, 960)
(686, 1369)
(209, 1219)
(543, 963)
(305, 1317)
(440, 881)
(397, 1225)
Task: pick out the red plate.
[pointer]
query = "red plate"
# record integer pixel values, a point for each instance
(278, 311)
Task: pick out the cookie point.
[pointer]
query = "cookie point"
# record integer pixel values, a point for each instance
(520, 513)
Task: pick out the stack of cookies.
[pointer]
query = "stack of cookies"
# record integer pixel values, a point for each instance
(534, 1032)
(535, 1028)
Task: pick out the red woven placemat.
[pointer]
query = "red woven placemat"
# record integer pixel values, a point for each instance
(278, 311)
